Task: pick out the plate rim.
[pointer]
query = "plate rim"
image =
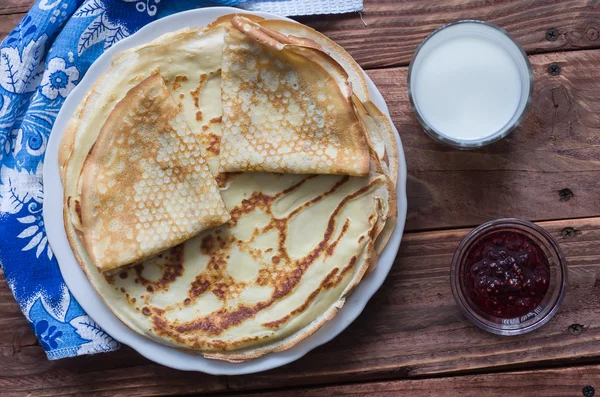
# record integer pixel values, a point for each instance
(81, 288)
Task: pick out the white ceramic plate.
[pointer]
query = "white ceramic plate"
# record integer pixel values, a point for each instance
(91, 302)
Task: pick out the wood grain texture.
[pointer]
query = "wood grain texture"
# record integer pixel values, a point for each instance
(410, 328)
(556, 147)
(15, 6)
(8, 23)
(567, 382)
(394, 28)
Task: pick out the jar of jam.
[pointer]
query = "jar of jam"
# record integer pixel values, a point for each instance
(509, 276)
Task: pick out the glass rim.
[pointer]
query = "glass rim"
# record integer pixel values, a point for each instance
(466, 144)
(552, 305)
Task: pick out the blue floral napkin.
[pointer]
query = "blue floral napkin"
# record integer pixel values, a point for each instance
(41, 61)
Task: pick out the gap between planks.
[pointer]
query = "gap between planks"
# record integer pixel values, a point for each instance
(541, 381)
(473, 226)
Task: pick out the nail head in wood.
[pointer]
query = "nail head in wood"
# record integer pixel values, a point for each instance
(551, 34)
(592, 34)
(568, 232)
(588, 391)
(554, 69)
(575, 329)
(565, 194)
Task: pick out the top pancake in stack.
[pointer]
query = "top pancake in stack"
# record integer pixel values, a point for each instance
(286, 107)
(145, 186)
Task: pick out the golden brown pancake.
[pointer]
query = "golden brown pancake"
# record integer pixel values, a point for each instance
(295, 248)
(286, 108)
(296, 33)
(145, 186)
(383, 136)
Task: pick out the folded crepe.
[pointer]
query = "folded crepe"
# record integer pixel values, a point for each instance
(145, 186)
(295, 248)
(295, 33)
(287, 107)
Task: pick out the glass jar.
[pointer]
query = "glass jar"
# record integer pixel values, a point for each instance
(463, 286)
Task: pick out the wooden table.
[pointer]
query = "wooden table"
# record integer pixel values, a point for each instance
(411, 339)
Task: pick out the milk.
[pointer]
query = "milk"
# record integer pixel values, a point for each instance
(469, 82)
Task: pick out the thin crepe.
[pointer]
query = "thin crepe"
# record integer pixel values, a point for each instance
(296, 33)
(296, 247)
(145, 186)
(382, 136)
(287, 108)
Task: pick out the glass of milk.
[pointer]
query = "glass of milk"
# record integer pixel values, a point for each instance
(469, 84)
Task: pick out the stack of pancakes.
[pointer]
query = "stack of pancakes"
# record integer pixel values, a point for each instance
(227, 187)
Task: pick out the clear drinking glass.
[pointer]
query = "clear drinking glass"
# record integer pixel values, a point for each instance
(474, 30)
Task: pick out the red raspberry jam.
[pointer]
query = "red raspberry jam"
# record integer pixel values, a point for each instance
(508, 274)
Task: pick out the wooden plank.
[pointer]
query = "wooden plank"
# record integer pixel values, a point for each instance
(556, 147)
(394, 29)
(8, 23)
(411, 328)
(15, 6)
(560, 382)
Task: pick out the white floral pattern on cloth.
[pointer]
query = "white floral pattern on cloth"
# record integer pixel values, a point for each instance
(39, 66)
(21, 189)
(101, 29)
(41, 61)
(21, 69)
(59, 79)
